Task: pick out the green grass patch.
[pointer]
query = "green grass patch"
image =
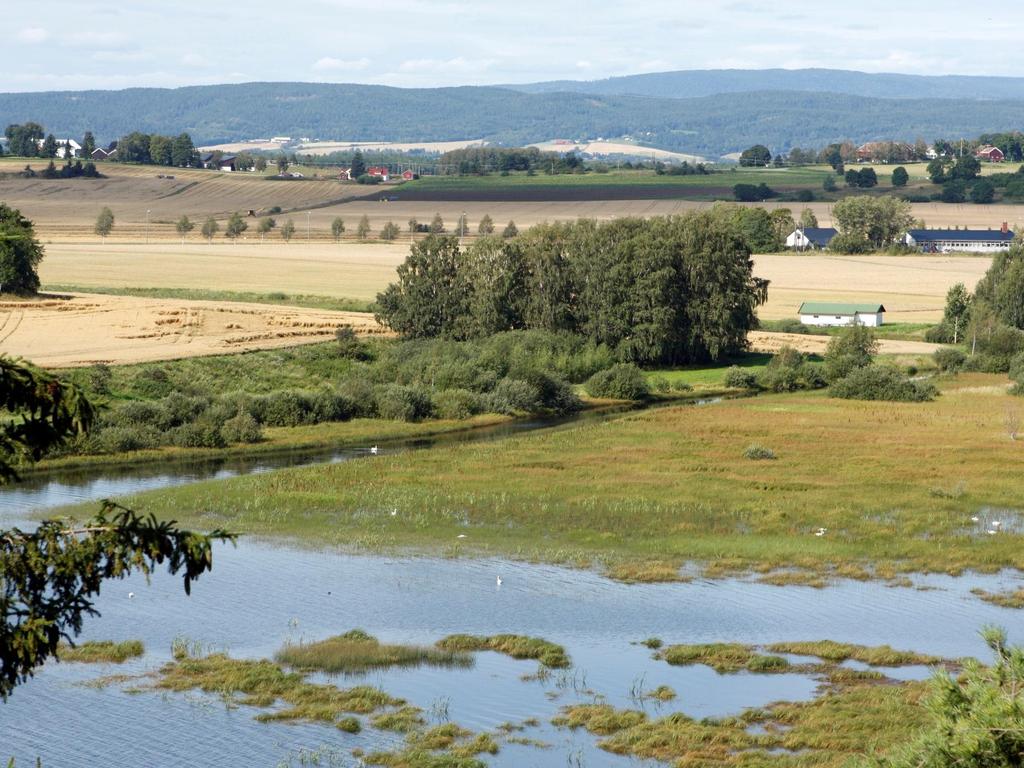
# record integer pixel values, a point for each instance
(709, 376)
(1012, 598)
(724, 658)
(264, 684)
(356, 651)
(547, 653)
(878, 656)
(669, 485)
(206, 294)
(101, 651)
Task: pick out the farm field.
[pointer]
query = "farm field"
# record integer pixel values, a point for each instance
(671, 485)
(912, 288)
(85, 329)
(347, 271)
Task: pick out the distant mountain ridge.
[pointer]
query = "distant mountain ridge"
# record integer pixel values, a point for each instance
(709, 82)
(703, 124)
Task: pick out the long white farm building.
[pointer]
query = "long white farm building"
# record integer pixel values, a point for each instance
(832, 314)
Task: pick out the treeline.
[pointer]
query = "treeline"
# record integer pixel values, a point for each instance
(664, 290)
(476, 161)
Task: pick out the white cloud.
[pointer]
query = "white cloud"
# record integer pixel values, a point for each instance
(33, 35)
(330, 64)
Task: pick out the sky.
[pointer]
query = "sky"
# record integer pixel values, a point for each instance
(86, 44)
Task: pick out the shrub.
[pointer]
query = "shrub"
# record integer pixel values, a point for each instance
(555, 395)
(286, 408)
(198, 434)
(757, 452)
(138, 413)
(852, 348)
(783, 371)
(152, 383)
(360, 394)
(181, 409)
(623, 381)
(350, 345)
(939, 334)
(126, 438)
(242, 428)
(402, 403)
(512, 396)
(457, 404)
(949, 359)
(882, 382)
(327, 405)
(740, 378)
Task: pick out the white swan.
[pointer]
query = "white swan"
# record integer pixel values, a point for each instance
(131, 595)
(373, 450)
(499, 581)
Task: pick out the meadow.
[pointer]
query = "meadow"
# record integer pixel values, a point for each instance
(894, 486)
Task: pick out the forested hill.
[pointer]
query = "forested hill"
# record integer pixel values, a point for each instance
(708, 82)
(708, 125)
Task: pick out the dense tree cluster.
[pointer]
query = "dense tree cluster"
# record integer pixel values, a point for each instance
(868, 223)
(473, 161)
(665, 290)
(154, 149)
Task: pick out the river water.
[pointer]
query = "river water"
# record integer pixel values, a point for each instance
(260, 595)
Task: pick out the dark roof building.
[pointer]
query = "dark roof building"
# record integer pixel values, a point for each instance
(949, 240)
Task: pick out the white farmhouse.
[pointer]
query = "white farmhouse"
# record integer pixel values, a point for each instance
(811, 238)
(953, 240)
(823, 313)
(62, 147)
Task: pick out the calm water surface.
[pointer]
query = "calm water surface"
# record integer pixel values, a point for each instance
(260, 596)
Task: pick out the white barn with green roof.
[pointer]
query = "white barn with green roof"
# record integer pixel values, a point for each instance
(824, 313)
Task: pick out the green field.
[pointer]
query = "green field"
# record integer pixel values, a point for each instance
(894, 484)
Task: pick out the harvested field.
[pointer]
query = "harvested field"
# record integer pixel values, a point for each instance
(83, 329)
(912, 288)
(350, 271)
(765, 341)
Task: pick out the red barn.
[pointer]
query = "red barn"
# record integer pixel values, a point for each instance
(408, 175)
(990, 154)
(378, 171)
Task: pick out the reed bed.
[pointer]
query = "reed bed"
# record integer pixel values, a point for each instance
(549, 654)
(101, 651)
(357, 652)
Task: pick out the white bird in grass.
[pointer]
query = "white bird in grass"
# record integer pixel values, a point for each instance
(974, 519)
(820, 532)
(461, 536)
(373, 450)
(131, 595)
(996, 523)
(394, 513)
(499, 581)
(991, 533)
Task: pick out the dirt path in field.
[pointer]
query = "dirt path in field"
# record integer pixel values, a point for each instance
(82, 329)
(766, 341)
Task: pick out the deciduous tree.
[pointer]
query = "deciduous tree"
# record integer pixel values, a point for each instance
(20, 253)
(183, 226)
(104, 222)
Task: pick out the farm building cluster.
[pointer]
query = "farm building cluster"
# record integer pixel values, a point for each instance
(923, 240)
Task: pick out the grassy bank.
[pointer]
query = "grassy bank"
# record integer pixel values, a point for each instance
(893, 485)
(206, 294)
(342, 435)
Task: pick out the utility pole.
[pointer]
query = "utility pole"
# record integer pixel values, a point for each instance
(147, 226)
(308, 214)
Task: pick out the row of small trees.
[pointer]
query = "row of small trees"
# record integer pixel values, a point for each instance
(237, 225)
